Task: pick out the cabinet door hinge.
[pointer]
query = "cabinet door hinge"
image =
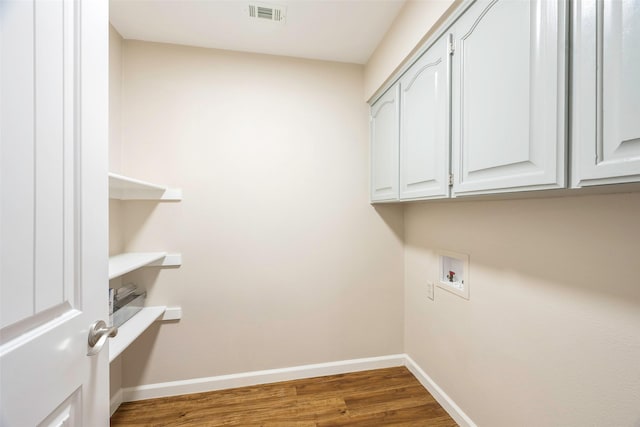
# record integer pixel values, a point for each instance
(451, 44)
(450, 180)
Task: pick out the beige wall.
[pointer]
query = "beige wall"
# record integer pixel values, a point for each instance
(412, 25)
(550, 333)
(285, 261)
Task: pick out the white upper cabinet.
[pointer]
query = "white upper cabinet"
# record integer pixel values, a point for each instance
(509, 96)
(606, 92)
(384, 147)
(424, 126)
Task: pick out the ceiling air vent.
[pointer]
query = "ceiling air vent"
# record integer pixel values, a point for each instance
(267, 11)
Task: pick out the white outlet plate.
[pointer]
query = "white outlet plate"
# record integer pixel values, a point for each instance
(430, 290)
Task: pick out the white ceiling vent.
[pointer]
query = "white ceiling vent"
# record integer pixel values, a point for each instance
(268, 12)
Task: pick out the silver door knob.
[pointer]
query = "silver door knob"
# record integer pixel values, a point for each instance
(98, 334)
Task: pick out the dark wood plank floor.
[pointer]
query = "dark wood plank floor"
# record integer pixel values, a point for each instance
(382, 397)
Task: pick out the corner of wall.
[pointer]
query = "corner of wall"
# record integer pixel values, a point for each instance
(438, 393)
(115, 100)
(115, 385)
(116, 235)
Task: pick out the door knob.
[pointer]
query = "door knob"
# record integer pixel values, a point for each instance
(98, 334)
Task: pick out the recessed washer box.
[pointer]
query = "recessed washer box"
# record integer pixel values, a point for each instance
(453, 273)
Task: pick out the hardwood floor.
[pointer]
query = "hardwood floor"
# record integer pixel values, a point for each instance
(381, 397)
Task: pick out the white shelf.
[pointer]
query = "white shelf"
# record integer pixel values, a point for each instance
(124, 263)
(132, 329)
(124, 188)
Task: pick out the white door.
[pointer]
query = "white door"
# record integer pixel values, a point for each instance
(53, 222)
(509, 97)
(424, 126)
(606, 92)
(384, 147)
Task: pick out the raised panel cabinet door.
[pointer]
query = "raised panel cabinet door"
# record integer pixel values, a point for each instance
(424, 126)
(384, 147)
(606, 92)
(509, 97)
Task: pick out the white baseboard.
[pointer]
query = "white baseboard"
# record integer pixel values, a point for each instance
(443, 398)
(116, 401)
(198, 385)
(222, 382)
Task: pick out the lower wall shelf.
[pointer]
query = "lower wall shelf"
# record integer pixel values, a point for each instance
(132, 329)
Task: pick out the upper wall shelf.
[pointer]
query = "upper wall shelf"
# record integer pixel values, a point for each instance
(124, 188)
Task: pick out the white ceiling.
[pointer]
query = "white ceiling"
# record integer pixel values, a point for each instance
(334, 30)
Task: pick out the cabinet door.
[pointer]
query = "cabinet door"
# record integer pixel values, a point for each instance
(424, 126)
(384, 147)
(509, 97)
(606, 92)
